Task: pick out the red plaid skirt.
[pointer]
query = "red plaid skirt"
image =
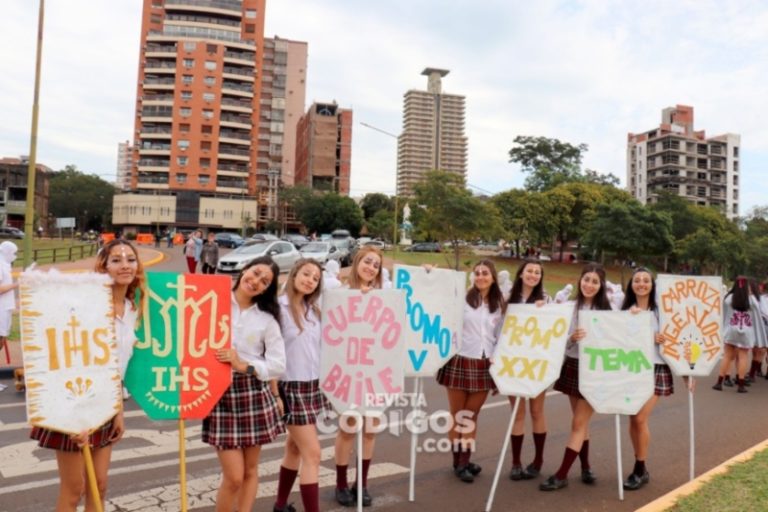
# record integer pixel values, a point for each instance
(467, 374)
(665, 384)
(45, 438)
(568, 382)
(303, 402)
(246, 415)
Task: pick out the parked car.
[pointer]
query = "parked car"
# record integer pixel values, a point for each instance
(424, 247)
(296, 239)
(345, 247)
(340, 234)
(11, 232)
(283, 253)
(231, 240)
(322, 252)
(263, 236)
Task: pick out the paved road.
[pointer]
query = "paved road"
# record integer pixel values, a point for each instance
(144, 471)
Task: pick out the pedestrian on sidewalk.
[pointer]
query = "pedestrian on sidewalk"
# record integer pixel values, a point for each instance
(8, 301)
(209, 255)
(120, 260)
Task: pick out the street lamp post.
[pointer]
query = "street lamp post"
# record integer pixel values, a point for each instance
(394, 227)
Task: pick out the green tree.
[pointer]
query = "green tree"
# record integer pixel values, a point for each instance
(86, 197)
(519, 211)
(451, 212)
(381, 224)
(374, 202)
(324, 212)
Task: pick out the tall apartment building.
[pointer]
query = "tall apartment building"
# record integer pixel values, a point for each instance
(433, 133)
(197, 103)
(676, 158)
(282, 99)
(13, 192)
(124, 159)
(324, 148)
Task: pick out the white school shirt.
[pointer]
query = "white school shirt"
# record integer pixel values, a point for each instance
(125, 333)
(480, 332)
(8, 298)
(302, 348)
(257, 340)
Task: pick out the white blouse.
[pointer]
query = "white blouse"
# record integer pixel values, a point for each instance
(256, 338)
(125, 334)
(480, 332)
(302, 347)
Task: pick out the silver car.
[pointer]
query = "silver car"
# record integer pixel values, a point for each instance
(321, 252)
(283, 253)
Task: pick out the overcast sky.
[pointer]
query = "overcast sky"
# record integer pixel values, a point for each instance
(584, 72)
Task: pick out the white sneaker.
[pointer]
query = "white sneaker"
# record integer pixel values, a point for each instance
(2, 387)
(126, 394)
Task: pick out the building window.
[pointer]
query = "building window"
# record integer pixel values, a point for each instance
(207, 113)
(189, 63)
(182, 160)
(206, 129)
(155, 18)
(181, 178)
(186, 79)
(250, 14)
(250, 28)
(185, 111)
(209, 80)
(210, 65)
(186, 95)
(701, 191)
(182, 143)
(209, 96)
(205, 145)
(190, 46)
(204, 179)
(184, 127)
(735, 151)
(210, 48)
(205, 163)
(735, 181)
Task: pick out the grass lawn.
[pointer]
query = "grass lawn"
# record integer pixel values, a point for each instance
(744, 488)
(556, 275)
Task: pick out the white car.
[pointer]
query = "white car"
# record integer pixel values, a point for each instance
(283, 253)
(321, 252)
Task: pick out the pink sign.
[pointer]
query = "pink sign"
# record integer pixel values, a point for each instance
(363, 349)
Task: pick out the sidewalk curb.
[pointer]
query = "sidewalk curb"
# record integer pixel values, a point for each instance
(668, 500)
(7, 372)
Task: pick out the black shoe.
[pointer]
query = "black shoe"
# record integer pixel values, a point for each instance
(288, 508)
(718, 386)
(747, 381)
(344, 497)
(464, 474)
(588, 476)
(367, 499)
(516, 473)
(728, 382)
(553, 483)
(531, 472)
(475, 469)
(741, 389)
(634, 482)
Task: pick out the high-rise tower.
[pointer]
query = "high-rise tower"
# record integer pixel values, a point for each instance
(433, 133)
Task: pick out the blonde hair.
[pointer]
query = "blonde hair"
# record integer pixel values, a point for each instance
(354, 280)
(295, 301)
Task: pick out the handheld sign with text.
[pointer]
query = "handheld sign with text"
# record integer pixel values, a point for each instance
(433, 303)
(173, 373)
(530, 349)
(616, 360)
(70, 351)
(691, 320)
(363, 350)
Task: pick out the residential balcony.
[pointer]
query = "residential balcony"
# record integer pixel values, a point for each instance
(228, 7)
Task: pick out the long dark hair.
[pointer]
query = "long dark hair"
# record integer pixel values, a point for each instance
(630, 298)
(137, 285)
(517, 287)
(600, 300)
(495, 297)
(739, 294)
(266, 300)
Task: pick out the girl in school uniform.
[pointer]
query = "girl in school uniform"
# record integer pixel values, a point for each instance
(528, 288)
(247, 416)
(591, 295)
(300, 387)
(641, 296)
(743, 329)
(365, 274)
(466, 375)
(120, 260)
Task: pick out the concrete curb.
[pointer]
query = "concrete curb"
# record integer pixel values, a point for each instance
(7, 371)
(668, 500)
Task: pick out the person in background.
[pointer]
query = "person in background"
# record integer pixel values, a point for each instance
(8, 301)
(209, 255)
(331, 275)
(190, 248)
